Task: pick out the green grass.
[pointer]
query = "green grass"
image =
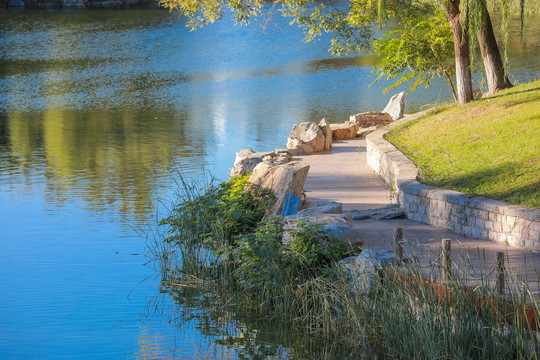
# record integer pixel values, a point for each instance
(489, 147)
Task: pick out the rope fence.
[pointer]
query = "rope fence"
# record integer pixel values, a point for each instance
(444, 261)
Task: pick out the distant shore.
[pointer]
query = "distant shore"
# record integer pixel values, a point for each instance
(76, 4)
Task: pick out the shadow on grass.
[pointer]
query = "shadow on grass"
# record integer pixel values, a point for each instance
(496, 96)
(526, 195)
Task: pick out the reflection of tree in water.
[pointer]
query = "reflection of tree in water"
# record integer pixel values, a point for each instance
(86, 111)
(235, 335)
(104, 158)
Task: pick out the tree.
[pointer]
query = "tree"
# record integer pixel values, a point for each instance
(495, 73)
(421, 51)
(467, 18)
(459, 23)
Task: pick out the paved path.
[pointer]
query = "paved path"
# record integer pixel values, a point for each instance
(342, 175)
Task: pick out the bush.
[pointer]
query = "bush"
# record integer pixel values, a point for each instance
(220, 237)
(220, 213)
(270, 275)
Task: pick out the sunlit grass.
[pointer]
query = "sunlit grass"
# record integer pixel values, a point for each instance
(490, 147)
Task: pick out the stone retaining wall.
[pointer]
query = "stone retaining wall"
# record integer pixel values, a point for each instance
(472, 216)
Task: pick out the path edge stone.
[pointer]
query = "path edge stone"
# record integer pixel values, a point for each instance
(472, 216)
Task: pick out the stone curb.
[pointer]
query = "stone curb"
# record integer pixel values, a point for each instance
(464, 214)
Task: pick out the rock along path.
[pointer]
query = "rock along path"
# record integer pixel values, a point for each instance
(342, 174)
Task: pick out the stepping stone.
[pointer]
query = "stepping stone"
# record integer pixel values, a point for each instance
(392, 211)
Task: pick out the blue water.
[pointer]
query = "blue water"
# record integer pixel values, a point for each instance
(99, 112)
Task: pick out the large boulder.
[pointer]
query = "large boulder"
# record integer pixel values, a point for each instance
(325, 219)
(247, 159)
(364, 268)
(282, 179)
(334, 227)
(301, 149)
(370, 121)
(327, 131)
(288, 178)
(396, 106)
(344, 130)
(342, 233)
(309, 134)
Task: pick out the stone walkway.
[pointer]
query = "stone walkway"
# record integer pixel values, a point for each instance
(343, 175)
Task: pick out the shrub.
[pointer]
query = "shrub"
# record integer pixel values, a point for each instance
(270, 275)
(220, 213)
(220, 237)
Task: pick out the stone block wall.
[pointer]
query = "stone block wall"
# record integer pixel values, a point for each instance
(372, 118)
(471, 216)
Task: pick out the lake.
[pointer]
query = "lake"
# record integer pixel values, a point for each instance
(99, 113)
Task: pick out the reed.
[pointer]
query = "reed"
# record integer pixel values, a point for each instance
(406, 314)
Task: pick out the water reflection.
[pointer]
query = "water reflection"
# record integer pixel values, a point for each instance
(230, 335)
(105, 158)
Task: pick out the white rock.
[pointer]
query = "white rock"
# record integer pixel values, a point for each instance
(343, 233)
(247, 159)
(328, 219)
(363, 269)
(396, 106)
(327, 131)
(371, 118)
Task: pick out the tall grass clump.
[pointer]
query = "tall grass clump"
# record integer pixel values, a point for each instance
(425, 319)
(257, 276)
(206, 220)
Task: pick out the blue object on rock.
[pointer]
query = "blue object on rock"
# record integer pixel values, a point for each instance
(291, 205)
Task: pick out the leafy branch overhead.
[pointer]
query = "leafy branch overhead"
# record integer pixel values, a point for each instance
(420, 51)
(347, 36)
(430, 33)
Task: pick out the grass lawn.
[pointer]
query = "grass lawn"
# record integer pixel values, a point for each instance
(489, 147)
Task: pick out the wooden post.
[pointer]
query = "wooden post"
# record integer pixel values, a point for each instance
(446, 261)
(398, 252)
(500, 272)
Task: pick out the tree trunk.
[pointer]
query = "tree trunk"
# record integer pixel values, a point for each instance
(461, 51)
(496, 77)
